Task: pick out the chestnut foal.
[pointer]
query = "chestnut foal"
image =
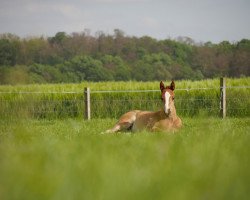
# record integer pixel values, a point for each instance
(163, 120)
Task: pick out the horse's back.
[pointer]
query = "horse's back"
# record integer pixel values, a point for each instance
(134, 120)
(167, 125)
(144, 120)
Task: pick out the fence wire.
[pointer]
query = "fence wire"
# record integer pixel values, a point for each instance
(112, 104)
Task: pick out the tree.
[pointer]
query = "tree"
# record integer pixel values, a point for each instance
(83, 57)
(116, 67)
(87, 68)
(58, 39)
(8, 52)
(14, 75)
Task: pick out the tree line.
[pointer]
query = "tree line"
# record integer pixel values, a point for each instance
(76, 57)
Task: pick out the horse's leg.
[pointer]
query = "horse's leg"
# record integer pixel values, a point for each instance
(120, 127)
(125, 122)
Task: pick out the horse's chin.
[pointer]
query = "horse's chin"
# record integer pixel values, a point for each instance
(167, 112)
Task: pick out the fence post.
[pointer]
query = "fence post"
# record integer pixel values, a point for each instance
(87, 103)
(223, 97)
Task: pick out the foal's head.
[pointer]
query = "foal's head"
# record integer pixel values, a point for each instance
(167, 96)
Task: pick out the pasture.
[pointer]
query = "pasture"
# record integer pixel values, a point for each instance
(53, 101)
(70, 159)
(47, 150)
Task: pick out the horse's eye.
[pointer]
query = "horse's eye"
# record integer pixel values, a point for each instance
(173, 98)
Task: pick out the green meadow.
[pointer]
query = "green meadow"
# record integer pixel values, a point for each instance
(70, 159)
(53, 101)
(47, 150)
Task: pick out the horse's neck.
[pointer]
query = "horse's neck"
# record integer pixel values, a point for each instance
(173, 114)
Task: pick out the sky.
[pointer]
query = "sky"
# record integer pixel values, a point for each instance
(201, 20)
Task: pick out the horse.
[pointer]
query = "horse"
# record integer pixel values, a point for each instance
(160, 121)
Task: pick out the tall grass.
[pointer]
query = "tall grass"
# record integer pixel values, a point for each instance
(67, 100)
(70, 159)
(127, 85)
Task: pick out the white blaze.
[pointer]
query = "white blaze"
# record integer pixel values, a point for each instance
(166, 106)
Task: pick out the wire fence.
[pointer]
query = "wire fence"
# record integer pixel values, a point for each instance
(112, 104)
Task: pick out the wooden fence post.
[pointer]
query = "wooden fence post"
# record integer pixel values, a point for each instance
(223, 97)
(87, 103)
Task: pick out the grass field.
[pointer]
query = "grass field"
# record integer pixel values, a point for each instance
(122, 85)
(67, 100)
(69, 159)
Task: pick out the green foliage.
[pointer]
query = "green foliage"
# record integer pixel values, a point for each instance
(8, 52)
(65, 159)
(88, 69)
(59, 38)
(80, 57)
(244, 44)
(15, 75)
(116, 67)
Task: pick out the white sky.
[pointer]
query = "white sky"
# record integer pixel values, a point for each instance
(201, 20)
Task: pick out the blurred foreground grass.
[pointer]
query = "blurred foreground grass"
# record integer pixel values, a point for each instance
(69, 159)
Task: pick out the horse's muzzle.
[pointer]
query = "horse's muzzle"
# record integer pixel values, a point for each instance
(167, 112)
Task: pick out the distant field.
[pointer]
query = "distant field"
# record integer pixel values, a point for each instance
(70, 159)
(67, 100)
(123, 85)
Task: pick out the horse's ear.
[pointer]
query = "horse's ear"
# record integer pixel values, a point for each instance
(162, 87)
(172, 85)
